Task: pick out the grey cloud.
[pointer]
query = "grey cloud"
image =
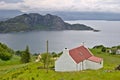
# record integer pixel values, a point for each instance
(65, 5)
(12, 1)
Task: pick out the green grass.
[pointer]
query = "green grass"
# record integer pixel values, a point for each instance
(30, 71)
(110, 61)
(14, 60)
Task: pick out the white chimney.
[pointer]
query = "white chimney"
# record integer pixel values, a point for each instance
(66, 50)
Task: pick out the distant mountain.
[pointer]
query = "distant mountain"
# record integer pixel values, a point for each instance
(66, 15)
(6, 14)
(34, 21)
(87, 15)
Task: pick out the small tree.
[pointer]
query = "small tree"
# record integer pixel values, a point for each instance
(103, 49)
(46, 59)
(114, 51)
(18, 53)
(25, 56)
(118, 47)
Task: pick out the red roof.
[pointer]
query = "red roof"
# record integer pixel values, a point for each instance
(95, 59)
(81, 53)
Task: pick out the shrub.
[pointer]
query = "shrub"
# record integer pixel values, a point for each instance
(103, 49)
(5, 52)
(5, 56)
(25, 56)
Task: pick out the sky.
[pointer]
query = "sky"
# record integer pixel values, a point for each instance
(61, 5)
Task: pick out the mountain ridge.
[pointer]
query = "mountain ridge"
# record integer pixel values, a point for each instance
(66, 15)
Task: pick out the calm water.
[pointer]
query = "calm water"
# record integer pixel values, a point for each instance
(58, 40)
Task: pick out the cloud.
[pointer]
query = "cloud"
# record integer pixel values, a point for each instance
(11, 1)
(10, 5)
(49, 4)
(63, 5)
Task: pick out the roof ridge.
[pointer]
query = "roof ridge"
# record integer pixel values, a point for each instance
(77, 47)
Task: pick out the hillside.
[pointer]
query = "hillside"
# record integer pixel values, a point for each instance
(34, 71)
(34, 21)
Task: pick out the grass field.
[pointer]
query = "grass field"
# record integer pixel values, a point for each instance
(30, 71)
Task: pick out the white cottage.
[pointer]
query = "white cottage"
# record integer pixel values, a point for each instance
(118, 51)
(77, 59)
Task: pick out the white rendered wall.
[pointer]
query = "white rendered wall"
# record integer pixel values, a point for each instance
(81, 65)
(65, 63)
(93, 65)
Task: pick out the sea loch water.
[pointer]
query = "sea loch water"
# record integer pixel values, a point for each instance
(58, 40)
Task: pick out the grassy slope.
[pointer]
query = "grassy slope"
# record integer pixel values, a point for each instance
(30, 71)
(14, 60)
